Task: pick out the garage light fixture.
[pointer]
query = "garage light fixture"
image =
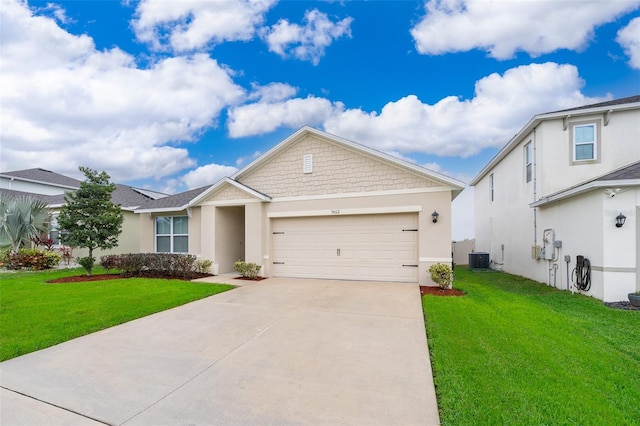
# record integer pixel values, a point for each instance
(620, 220)
(435, 215)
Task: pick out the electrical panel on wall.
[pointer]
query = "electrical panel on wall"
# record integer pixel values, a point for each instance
(548, 240)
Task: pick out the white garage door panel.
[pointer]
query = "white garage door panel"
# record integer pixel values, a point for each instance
(362, 247)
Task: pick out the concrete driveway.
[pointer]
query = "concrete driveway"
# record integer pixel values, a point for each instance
(279, 351)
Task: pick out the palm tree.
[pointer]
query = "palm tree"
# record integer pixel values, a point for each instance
(21, 218)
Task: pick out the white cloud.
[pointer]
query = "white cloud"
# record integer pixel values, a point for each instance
(307, 42)
(505, 27)
(188, 25)
(263, 117)
(65, 104)
(501, 106)
(207, 175)
(241, 161)
(629, 38)
(56, 11)
(273, 92)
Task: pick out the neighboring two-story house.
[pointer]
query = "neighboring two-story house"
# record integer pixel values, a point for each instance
(565, 188)
(50, 187)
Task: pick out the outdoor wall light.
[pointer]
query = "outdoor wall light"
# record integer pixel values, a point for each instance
(435, 215)
(620, 220)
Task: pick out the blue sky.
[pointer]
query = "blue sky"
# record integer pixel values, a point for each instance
(173, 95)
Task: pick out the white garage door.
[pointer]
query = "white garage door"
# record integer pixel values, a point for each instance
(382, 247)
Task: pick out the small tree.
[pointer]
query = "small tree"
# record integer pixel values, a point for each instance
(21, 219)
(90, 219)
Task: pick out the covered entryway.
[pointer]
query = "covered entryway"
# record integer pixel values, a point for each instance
(230, 236)
(376, 247)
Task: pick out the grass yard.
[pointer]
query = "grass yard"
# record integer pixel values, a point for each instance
(513, 351)
(35, 315)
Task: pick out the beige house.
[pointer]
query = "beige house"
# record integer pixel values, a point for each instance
(314, 206)
(50, 187)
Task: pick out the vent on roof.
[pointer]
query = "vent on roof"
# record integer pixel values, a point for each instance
(307, 163)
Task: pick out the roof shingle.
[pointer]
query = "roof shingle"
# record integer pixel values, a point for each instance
(42, 175)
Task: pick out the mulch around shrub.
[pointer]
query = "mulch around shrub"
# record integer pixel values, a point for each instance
(250, 279)
(103, 277)
(436, 291)
(627, 306)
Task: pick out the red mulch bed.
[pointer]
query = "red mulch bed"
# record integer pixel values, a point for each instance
(250, 279)
(102, 277)
(436, 291)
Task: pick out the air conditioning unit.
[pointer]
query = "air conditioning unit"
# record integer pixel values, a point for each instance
(478, 260)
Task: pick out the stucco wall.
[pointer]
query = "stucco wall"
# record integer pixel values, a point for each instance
(507, 220)
(619, 146)
(336, 169)
(128, 241)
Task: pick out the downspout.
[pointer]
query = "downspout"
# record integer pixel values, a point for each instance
(535, 193)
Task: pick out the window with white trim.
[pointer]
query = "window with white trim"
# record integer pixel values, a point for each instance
(585, 142)
(172, 234)
(528, 161)
(54, 232)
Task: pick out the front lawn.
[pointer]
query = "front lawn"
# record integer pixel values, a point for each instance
(513, 351)
(35, 315)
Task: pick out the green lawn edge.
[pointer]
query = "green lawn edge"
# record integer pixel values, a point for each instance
(35, 315)
(514, 351)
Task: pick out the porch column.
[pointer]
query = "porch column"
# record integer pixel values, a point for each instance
(253, 234)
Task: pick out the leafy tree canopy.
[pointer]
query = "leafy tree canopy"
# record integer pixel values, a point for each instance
(90, 219)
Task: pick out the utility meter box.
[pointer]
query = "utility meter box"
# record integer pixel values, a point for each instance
(536, 252)
(548, 241)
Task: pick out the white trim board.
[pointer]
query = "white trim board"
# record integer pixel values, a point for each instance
(428, 189)
(346, 212)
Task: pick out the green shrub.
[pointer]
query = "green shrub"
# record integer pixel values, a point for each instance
(441, 274)
(247, 269)
(156, 264)
(87, 263)
(33, 259)
(203, 266)
(4, 258)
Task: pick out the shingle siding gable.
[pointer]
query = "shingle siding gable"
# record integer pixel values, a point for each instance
(336, 169)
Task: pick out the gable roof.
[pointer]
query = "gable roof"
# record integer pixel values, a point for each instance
(127, 196)
(621, 101)
(456, 185)
(173, 202)
(212, 189)
(612, 182)
(51, 200)
(45, 176)
(622, 104)
(190, 198)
